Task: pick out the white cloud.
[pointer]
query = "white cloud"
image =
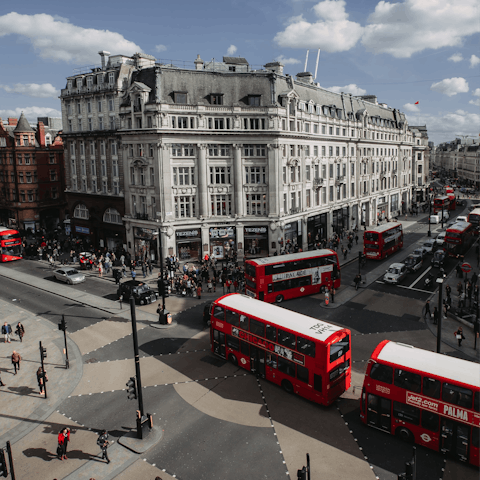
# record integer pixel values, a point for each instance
(287, 61)
(160, 48)
(352, 88)
(450, 86)
(411, 107)
(56, 39)
(45, 90)
(404, 28)
(474, 61)
(231, 50)
(442, 127)
(31, 113)
(456, 57)
(332, 32)
(476, 102)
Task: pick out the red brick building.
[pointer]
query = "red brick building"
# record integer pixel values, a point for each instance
(32, 176)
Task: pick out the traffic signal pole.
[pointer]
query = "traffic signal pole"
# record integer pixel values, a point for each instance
(137, 358)
(63, 326)
(43, 354)
(10, 460)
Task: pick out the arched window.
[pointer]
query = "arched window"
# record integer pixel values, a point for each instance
(81, 211)
(112, 215)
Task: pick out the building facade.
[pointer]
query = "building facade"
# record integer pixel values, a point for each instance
(224, 158)
(31, 175)
(420, 163)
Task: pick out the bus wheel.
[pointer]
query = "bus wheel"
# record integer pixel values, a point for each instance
(279, 299)
(405, 434)
(233, 359)
(287, 386)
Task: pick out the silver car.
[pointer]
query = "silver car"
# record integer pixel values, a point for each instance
(395, 273)
(69, 275)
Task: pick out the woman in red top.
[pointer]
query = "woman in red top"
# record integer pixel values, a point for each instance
(63, 439)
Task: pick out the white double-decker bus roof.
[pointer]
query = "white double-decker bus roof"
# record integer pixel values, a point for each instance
(431, 363)
(280, 317)
(291, 257)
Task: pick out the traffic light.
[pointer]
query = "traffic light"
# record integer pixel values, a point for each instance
(62, 325)
(43, 352)
(132, 388)
(302, 474)
(3, 463)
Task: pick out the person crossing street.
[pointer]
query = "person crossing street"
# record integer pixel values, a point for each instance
(102, 442)
(16, 358)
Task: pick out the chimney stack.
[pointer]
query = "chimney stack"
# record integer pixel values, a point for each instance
(12, 121)
(198, 63)
(305, 77)
(103, 54)
(41, 134)
(276, 67)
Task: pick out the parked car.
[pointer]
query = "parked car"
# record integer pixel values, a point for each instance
(395, 273)
(142, 293)
(69, 275)
(420, 251)
(438, 258)
(429, 245)
(413, 262)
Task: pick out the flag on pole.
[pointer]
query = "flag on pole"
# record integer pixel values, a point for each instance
(416, 103)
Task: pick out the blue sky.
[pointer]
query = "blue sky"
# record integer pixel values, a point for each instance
(424, 51)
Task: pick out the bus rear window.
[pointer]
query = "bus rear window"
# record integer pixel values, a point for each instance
(339, 348)
(371, 237)
(11, 236)
(250, 270)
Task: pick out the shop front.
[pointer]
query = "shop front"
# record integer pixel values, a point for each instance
(340, 220)
(316, 229)
(189, 244)
(293, 235)
(256, 241)
(382, 209)
(394, 206)
(222, 242)
(144, 243)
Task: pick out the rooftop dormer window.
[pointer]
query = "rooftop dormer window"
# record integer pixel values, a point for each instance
(216, 98)
(89, 81)
(180, 97)
(254, 100)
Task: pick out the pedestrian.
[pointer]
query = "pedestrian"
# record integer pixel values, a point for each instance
(199, 292)
(435, 316)
(474, 278)
(63, 437)
(133, 273)
(20, 331)
(1, 383)
(448, 290)
(100, 269)
(427, 310)
(102, 442)
(7, 332)
(459, 336)
(356, 239)
(41, 379)
(120, 299)
(16, 359)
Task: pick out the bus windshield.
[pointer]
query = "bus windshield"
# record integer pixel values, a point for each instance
(10, 236)
(371, 236)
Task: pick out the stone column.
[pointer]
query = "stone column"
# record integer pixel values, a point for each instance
(238, 180)
(202, 180)
(275, 183)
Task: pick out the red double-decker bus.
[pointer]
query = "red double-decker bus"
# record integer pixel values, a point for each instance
(474, 219)
(381, 241)
(274, 279)
(301, 354)
(10, 245)
(459, 238)
(441, 203)
(424, 397)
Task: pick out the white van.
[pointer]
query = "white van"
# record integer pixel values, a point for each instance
(437, 218)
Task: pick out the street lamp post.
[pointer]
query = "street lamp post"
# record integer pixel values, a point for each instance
(161, 284)
(429, 214)
(440, 311)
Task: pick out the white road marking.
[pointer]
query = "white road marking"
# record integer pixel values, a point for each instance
(421, 276)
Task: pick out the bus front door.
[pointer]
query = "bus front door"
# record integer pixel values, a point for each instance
(455, 439)
(219, 343)
(379, 412)
(257, 360)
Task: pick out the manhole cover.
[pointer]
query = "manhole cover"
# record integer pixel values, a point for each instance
(91, 360)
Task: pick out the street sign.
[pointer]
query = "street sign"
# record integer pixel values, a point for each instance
(466, 267)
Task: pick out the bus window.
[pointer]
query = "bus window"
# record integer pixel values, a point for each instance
(476, 437)
(257, 328)
(431, 387)
(430, 420)
(286, 339)
(270, 288)
(271, 333)
(219, 313)
(371, 236)
(306, 346)
(336, 372)
(245, 348)
(232, 318)
(317, 382)
(406, 412)
(250, 270)
(382, 373)
(476, 403)
(457, 395)
(233, 342)
(407, 380)
(302, 373)
(272, 360)
(244, 322)
(339, 348)
(286, 367)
